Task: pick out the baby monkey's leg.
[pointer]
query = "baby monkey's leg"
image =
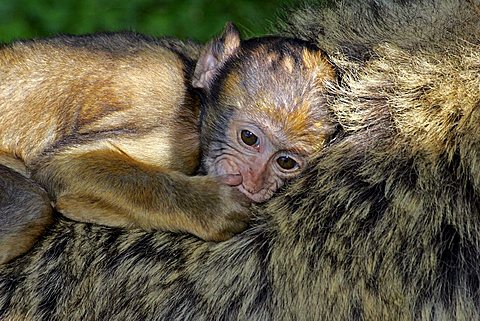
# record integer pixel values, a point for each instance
(25, 210)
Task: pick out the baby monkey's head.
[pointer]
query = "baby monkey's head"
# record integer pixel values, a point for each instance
(264, 110)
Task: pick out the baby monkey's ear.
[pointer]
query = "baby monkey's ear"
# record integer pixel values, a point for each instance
(214, 56)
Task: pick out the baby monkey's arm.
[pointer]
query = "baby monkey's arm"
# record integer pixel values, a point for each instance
(108, 187)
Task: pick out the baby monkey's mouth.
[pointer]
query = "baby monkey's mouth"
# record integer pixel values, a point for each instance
(256, 197)
(231, 179)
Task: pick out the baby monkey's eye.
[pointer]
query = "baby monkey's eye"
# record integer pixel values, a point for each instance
(249, 138)
(286, 162)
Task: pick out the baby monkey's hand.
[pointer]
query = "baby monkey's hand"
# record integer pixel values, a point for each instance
(225, 211)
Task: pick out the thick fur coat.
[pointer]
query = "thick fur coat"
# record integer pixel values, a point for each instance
(385, 224)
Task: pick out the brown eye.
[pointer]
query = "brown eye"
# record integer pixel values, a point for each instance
(249, 138)
(286, 162)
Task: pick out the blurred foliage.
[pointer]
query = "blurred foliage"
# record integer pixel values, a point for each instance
(196, 19)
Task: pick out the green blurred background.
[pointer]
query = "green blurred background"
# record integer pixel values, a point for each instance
(196, 19)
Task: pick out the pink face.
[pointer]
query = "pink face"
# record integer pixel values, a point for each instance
(255, 161)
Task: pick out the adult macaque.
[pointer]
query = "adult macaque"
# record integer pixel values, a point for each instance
(109, 125)
(384, 224)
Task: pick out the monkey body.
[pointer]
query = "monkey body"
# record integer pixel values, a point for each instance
(109, 125)
(86, 89)
(87, 113)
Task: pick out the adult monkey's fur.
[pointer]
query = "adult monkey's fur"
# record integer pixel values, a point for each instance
(384, 226)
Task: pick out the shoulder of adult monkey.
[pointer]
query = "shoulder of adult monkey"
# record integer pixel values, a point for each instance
(359, 29)
(383, 226)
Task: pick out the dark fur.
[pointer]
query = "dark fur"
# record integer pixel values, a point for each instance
(20, 197)
(384, 226)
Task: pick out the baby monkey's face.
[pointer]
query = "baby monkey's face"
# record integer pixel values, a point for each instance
(255, 159)
(264, 113)
(270, 96)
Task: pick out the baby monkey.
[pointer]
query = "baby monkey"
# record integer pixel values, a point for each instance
(114, 128)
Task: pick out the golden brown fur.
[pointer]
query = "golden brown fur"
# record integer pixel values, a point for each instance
(83, 92)
(385, 225)
(109, 125)
(106, 124)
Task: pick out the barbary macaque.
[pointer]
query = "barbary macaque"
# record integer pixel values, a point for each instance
(115, 127)
(384, 223)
